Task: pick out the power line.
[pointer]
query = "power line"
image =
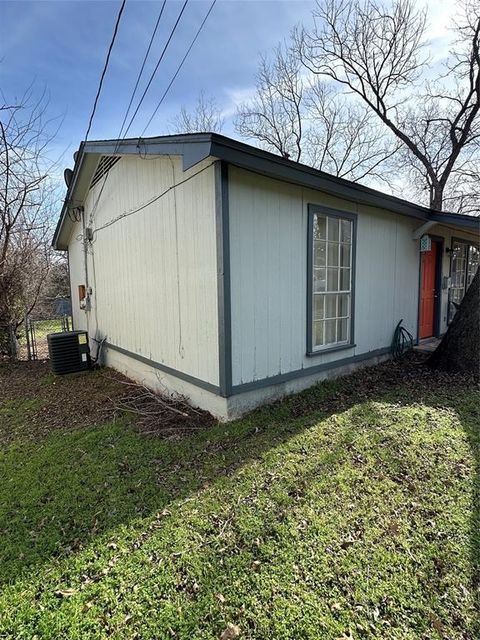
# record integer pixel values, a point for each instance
(105, 66)
(156, 67)
(148, 85)
(142, 67)
(179, 67)
(119, 136)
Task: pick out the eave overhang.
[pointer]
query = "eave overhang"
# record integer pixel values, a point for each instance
(193, 148)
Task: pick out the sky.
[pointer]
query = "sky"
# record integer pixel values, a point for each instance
(61, 46)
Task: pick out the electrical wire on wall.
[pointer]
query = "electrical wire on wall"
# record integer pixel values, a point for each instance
(131, 212)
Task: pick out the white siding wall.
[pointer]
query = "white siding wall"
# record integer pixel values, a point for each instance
(77, 276)
(268, 247)
(154, 273)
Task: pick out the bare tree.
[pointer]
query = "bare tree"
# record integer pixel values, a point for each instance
(205, 116)
(377, 52)
(25, 207)
(343, 138)
(305, 119)
(275, 115)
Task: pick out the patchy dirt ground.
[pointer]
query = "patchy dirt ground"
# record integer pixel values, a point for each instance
(94, 397)
(89, 398)
(411, 374)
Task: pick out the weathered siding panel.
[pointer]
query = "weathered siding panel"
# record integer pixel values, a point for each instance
(76, 265)
(268, 246)
(154, 271)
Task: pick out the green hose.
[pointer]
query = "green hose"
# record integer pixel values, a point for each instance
(402, 341)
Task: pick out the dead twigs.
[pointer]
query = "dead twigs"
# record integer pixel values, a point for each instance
(159, 413)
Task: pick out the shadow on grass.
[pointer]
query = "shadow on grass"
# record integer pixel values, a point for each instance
(58, 495)
(472, 429)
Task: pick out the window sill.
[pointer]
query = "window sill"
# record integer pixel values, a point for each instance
(341, 347)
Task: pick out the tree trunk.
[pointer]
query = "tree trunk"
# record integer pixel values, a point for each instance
(459, 349)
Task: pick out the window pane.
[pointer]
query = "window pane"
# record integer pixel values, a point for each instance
(333, 231)
(345, 255)
(330, 331)
(342, 330)
(330, 306)
(345, 279)
(343, 305)
(346, 229)
(318, 307)
(460, 249)
(319, 227)
(332, 279)
(332, 254)
(318, 333)
(319, 280)
(332, 272)
(319, 249)
(457, 295)
(473, 260)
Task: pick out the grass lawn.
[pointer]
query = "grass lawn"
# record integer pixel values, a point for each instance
(349, 511)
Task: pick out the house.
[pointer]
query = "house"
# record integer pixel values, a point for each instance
(206, 267)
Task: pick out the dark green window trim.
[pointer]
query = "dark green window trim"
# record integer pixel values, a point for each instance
(314, 209)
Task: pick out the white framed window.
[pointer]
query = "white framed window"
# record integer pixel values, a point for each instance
(464, 261)
(331, 247)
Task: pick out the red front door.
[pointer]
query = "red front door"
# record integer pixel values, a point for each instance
(427, 291)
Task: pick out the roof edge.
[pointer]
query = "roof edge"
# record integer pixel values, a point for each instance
(195, 147)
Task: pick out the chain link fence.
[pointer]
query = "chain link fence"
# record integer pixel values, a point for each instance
(36, 332)
(51, 315)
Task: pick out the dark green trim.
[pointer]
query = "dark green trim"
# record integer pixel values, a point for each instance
(460, 220)
(271, 165)
(314, 209)
(223, 278)
(307, 371)
(163, 367)
(309, 281)
(340, 347)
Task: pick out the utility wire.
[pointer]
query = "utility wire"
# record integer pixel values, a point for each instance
(179, 67)
(142, 68)
(105, 66)
(119, 136)
(126, 214)
(156, 68)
